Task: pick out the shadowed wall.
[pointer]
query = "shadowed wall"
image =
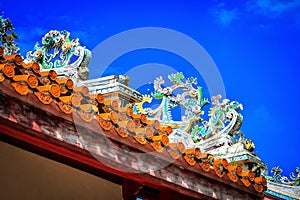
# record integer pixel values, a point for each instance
(24, 175)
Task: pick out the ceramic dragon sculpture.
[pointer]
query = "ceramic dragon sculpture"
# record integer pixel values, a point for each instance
(221, 133)
(190, 99)
(277, 177)
(8, 36)
(224, 119)
(56, 52)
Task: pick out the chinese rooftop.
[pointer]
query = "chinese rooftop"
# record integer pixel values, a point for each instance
(48, 94)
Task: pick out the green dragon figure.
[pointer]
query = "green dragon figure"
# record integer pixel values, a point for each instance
(56, 52)
(277, 177)
(222, 128)
(224, 119)
(190, 100)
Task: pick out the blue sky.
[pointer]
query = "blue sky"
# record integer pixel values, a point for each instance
(255, 45)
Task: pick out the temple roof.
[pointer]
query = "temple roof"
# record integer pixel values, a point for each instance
(95, 118)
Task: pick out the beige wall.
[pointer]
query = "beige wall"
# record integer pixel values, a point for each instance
(24, 175)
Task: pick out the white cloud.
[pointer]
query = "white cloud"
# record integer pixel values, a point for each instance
(225, 16)
(272, 8)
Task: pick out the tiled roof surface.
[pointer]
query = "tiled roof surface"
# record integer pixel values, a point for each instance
(27, 79)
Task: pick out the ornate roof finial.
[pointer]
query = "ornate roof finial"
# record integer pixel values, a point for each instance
(8, 36)
(56, 52)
